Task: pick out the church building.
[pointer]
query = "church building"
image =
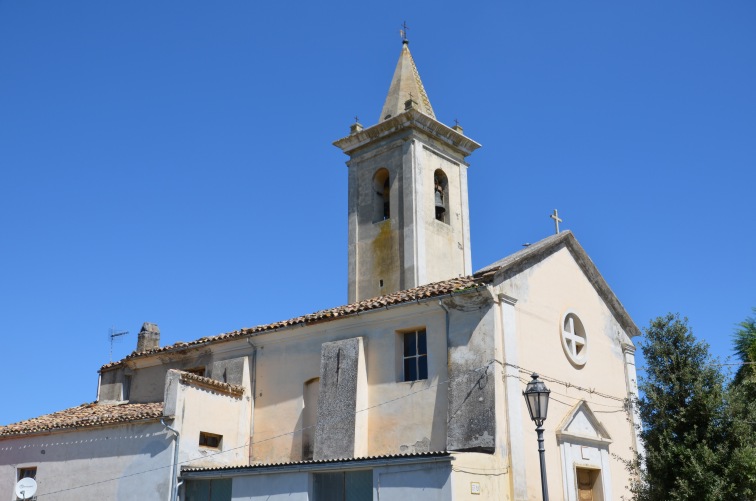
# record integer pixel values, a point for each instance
(412, 390)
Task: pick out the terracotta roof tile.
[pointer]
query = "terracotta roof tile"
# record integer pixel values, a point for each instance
(85, 415)
(236, 390)
(405, 296)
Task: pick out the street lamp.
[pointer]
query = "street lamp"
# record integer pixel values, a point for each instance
(537, 397)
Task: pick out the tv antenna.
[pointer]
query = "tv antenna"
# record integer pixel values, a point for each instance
(113, 333)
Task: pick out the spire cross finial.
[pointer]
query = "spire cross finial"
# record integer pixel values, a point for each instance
(555, 217)
(456, 122)
(403, 32)
(356, 119)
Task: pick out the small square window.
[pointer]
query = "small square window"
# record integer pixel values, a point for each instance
(197, 371)
(415, 356)
(210, 440)
(28, 472)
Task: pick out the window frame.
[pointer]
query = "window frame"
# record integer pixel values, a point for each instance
(19, 472)
(208, 438)
(417, 356)
(344, 492)
(578, 357)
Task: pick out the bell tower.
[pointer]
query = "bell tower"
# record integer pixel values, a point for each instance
(408, 209)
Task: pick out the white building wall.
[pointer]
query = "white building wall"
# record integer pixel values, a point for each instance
(416, 482)
(197, 409)
(122, 463)
(275, 487)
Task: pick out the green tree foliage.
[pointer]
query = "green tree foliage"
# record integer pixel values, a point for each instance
(695, 445)
(745, 349)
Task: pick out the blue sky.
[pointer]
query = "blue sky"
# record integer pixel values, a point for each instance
(172, 162)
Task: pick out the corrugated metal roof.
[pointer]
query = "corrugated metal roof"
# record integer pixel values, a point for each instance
(320, 461)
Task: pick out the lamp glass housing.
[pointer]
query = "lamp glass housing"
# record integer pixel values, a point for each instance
(537, 398)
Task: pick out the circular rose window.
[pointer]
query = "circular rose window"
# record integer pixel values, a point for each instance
(574, 339)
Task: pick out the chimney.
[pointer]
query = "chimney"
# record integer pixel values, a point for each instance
(149, 337)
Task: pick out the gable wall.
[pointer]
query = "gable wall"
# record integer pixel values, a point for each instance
(545, 292)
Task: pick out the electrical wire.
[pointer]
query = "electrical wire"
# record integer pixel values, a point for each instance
(250, 443)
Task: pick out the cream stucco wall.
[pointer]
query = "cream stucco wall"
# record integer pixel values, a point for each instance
(402, 416)
(196, 409)
(544, 293)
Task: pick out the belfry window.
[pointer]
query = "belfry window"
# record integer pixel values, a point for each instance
(382, 197)
(441, 196)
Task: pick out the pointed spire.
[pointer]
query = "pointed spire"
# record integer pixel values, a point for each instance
(406, 89)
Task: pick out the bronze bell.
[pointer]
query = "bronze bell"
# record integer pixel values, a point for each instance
(440, 202)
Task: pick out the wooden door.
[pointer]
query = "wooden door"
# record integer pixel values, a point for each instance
(586, 480)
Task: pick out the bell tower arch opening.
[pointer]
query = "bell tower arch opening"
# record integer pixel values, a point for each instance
(382, 195)
(441, 196)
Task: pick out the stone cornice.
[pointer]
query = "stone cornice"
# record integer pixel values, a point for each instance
(414, 119)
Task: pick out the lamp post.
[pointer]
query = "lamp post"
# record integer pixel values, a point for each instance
(537, 397)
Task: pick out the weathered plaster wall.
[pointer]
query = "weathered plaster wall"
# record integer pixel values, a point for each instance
(148, 375)
(471, 407)
(545, 292)
(445, 253)
(411, 247)
(339, 424)
(402, 416)
(123, 463)
(200, 409)
(489, 473)
(375, 248)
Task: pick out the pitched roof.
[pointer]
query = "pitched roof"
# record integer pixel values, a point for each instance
(406, 296)
(405, 84)
(85, 415)
(508, 266)
(515, 263)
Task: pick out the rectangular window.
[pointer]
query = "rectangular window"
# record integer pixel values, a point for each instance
(28, 472)
(126, 387)
(415, 356)
(210, 440)
(343, 486)
(218, 489)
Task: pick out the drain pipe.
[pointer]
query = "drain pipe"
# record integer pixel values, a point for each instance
(446, 311)
(174, 485)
